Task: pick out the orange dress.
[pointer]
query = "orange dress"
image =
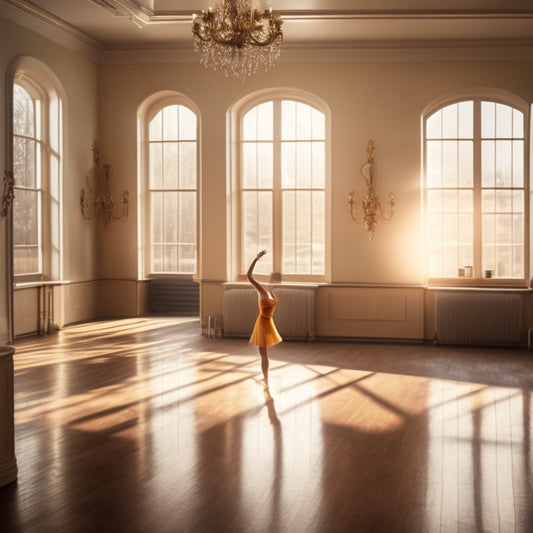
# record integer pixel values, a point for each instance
(265, 332)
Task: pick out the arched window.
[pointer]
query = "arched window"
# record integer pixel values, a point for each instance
(476, 206)
(37, 148)
(281, 178)
(170, 132)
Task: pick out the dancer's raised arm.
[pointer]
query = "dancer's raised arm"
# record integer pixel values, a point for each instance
(260, 289)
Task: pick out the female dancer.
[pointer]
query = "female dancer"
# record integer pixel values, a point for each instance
(264, 333)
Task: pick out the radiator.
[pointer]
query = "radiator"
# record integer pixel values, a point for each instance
(179, 296)
(477, 319)
(294, 316)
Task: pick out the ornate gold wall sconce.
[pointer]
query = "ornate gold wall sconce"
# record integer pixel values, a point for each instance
(370, 209)
(95, 198)
(7, 195)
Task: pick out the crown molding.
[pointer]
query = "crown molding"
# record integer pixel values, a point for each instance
(40, 21)
(399, 52)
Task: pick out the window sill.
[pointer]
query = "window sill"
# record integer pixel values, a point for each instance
(32, 284)
(287, 284)
(478, 283)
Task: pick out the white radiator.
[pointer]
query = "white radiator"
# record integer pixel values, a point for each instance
(477, 318)
(294, 316)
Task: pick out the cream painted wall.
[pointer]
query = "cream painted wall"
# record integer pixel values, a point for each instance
(78, 77)
(382, 101)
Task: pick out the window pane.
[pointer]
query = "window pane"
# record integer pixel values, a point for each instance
(488, 163)
(303, 232)
(187, 165)
(186, 249)
(518, 163)
(170, 123)
(504, 121)
(23, 112)
(303, 165)
(518, 124)
(157, 217)
(186, 124)
(449, 163)
(466, 120)
(466, 164)
(297, 165)
(257, 165)
(27, 232)
(155, 130)
(434, 126)
(303, 122)
(258, 123)
(249, 166)
(318, 250)
(319, 125)
(434, 163)
(449, 122)
(26, 163)
(156, 166)
(170, 214)
(488, 120)
(187, 212)
(257, 229)
(318, 179)
(503, 163)
(170, 165)
(288, 126)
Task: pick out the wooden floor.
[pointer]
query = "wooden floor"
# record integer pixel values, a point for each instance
(143, 425)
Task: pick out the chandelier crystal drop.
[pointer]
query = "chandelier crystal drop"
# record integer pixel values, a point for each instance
(237, 39)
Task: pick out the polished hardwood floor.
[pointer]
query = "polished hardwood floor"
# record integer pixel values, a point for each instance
(143, 425)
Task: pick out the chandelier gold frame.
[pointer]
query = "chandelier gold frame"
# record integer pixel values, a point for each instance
(370, 209)
(236, 39)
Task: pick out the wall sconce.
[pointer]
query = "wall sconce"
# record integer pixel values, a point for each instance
(96, 199)
(7, 195)
(372, 208)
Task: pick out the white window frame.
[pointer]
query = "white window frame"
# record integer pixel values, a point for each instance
(147, 111)
(237, 265)
(478, 278)
(43, 86)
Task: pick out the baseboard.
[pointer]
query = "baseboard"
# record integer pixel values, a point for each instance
(8, 471)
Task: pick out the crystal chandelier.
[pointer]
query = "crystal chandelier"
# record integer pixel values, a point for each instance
(237, 39)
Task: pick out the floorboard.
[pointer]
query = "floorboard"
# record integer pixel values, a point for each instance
(143, 425)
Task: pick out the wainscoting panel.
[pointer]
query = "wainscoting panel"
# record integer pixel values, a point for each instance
(373, 312)
(26, 311)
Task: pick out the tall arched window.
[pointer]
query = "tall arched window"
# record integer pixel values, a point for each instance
(37, 147)
(170, 128)
(476, 206)
(282, 185)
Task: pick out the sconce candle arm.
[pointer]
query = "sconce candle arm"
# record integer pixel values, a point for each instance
(7, 195)
(96, 199)
(370, 209)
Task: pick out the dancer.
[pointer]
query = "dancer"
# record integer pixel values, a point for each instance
(264, 333)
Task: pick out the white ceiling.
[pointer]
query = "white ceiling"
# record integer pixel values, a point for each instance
(127, 25)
